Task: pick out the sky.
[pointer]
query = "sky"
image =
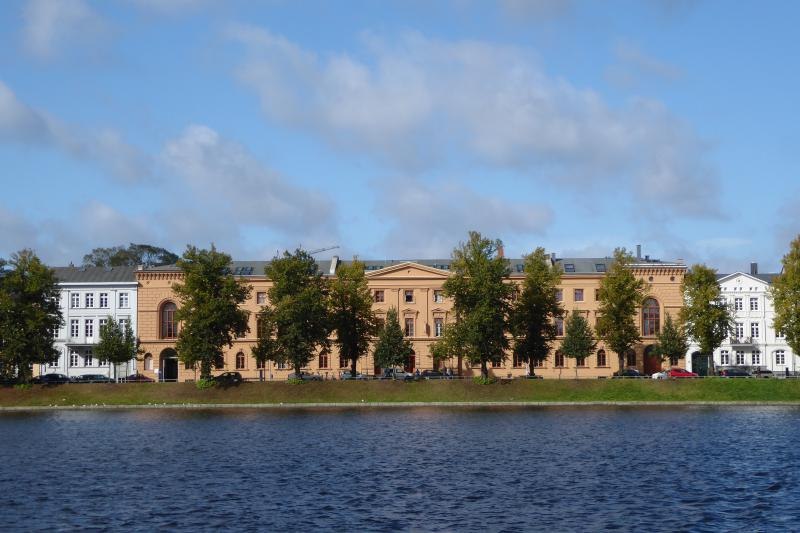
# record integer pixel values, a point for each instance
(391, 129)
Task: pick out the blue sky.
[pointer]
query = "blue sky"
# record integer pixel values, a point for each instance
(392, 128)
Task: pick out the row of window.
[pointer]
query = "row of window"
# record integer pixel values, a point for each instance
(755, 331)
(87, 360)
(102, 300)
(755, 357)
(88, 326)
(379, 296)
(738, 304)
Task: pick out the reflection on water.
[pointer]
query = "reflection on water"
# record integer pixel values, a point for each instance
(417, 469)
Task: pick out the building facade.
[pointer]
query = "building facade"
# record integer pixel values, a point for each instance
(754, 343)
(415, 289)
(88, 297)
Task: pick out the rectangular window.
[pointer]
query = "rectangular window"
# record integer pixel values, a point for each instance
(630, 359)
(739, 330)
(438, 327)
(409, 296)
(597, 295)
(101, 323)
(73, 359)
(559, 326)
(559, 359)
(538, 364)
(74, 300)
(123, 323)
(580, 362)
(724, 357)
(559, 295)
(569, 267)
(779, 334)
(601, 358)
(260, 365)
(89, 300)
(780, 357)
(739, 357)
(123, 300)
(754, 304)
(600, 267)
(516, 361)
(497, 364)
(377, 297)
(261, 298)
(409, 327)
(342, 362)
(88, 327)
(74, 328)
(737, 304)
(438, 297)
(757, 357)
(103, 300)
(323, 361)
(281, 365)
(578, 295)
(754, 329)
(88, 359)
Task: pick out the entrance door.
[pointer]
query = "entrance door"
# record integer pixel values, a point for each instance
(652, 363)
(410, 363)
(170, 370)
(700, 364)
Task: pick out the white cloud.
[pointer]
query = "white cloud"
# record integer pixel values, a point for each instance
(420, 101)
(21, 123)
(428, 220)
(633, 67)
(52, 25)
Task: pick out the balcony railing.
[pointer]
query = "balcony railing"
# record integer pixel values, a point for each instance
(742, 341)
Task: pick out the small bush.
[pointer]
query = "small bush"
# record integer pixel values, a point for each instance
(296, 381)
(480, 380)
(23, 386)
(205, 383)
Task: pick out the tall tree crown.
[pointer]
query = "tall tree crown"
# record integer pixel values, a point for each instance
(706, 316)
(785, 292)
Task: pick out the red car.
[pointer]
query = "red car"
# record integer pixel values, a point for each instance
(681, 373)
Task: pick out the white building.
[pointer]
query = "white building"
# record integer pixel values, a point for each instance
(89, 296)
(754, 343)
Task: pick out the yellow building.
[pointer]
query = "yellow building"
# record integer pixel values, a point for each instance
(414, 288)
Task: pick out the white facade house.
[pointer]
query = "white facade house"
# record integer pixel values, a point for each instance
(754, 343)
(89, 296)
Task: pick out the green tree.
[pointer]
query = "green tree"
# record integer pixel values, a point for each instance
(295, 323)
(534, 313)
(785, 293)
(705, 315)
(579, 342)
(392, 349)
(29, 315)
(352, 319)
(671, 342)
(117, 345)
(133, 255)
(209, 307)
(621, 294)
(481, 300)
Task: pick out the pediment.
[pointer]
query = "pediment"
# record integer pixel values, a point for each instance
(407, 270)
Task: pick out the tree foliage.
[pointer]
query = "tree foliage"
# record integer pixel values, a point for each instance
(117, 345)
(785, 293)
(620, 294)
(352, 319)
(671, 341)
(705, 315)
(209, 307)
(481, 300)
(29, 315)
(533, 315)
(392, 349)
(579, 342)
(133, 255)
(295, 323)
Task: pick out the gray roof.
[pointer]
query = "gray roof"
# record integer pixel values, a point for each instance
(579, 265)
(73, 274)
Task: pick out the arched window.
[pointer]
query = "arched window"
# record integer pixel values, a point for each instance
(651, 317)
(630, 358)
(169, 328)
(148, 362)
(601, 358)
(240, 361)
(219, 361)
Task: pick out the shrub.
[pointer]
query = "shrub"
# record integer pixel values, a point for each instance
(480, 380)
(296, 381)
(204, 383)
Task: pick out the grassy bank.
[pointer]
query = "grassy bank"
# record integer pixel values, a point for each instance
(716, 390)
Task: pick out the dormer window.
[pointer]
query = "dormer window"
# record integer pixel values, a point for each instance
(569, 267)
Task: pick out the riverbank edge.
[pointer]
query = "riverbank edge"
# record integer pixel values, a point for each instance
(394, 405)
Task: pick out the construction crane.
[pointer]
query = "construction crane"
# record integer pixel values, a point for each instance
(318, 250)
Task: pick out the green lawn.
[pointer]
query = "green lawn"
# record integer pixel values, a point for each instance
(770, 390)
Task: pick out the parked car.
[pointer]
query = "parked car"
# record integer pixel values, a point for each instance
(735, 372)
(51, 379)
(628, 373)
(93, 378)
(431, 374)
(663, 374)
(347, 375)
(681, 373)
(138, 378)
(304, 376)
(396, 373)
(763, 373)
(228, 378)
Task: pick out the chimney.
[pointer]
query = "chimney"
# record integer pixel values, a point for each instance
(753, 269)
(334, 264)
(500, 251)
(638, 251)
(553, 256)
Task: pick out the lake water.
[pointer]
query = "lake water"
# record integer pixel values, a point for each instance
(579, 469)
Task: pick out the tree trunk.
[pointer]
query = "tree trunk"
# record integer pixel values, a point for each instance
(460, 362)
(353, 363)
(576, 369)
(484, 369)
(621, 361)
(205, 369)
(531, 364)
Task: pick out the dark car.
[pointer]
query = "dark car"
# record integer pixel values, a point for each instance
(138, 378)
(431, 374)
(228, 378)
(50, 379)
(628, 373)
(763, 373)
(734, 372)
(93, 378)
(347, 375)
(304, 376)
